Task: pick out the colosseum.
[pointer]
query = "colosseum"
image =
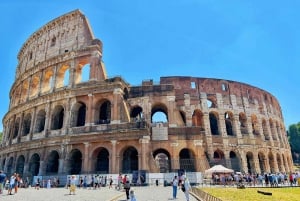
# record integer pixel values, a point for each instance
(61, 122)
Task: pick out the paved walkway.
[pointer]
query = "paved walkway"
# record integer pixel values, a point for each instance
(149, 193)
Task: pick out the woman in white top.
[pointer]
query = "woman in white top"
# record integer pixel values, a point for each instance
(187, 187)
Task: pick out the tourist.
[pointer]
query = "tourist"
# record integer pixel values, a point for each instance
(2, 180)
(110, 182)
(187, 188)
(37, 184)
(48, 184)
(175, 186)
(17, 180)
(127, 188)
(72, 185)
(11, 183)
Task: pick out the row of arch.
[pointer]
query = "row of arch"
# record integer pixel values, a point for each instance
(49, 79)
(129, 160)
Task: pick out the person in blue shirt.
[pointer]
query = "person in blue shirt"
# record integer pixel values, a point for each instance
(2, 180)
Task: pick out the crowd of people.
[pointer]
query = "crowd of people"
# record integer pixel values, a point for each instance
(266, 179)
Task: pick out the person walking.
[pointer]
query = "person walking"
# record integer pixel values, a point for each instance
(187, 188)
(175, 186)
(127, 188)
(72, 185)
(11, 184)
(2, 180)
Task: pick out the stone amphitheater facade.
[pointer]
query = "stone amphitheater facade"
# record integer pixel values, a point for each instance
(60, 122)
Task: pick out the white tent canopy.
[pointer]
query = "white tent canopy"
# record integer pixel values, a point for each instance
(218, 169)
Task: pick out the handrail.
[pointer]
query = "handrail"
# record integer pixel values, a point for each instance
(203, 196)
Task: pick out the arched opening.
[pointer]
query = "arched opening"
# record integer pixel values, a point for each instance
(24, 94)
(273, 131)
(40, 121)
(16, 128)
(82, 73)
(62, 77)
(235, 162)
(219, 158)
(58, 117)
(34, 85)
(265, 130)
(255, 126)
(105, 112)
(213, 120)
(48, 82)
(271, 162)
(10, 169)
(130, 160)
(102, 161)
(75, 162)
(26, 124)
(228, 123)
(243, 123)
(78, 114)
(187, 160)
(279, 163)
(159, 114)
(137, 116)
(250, 162)
(20, 165)
(261, 161)
(126, 94)
(52, 163)
(34, 165)
(162, 159)
(197, 119)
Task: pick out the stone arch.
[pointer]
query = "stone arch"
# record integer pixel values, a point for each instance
(20, 165)
(24, 91)
(136, 113)
(48, 81)
(16, 128)
(40, 121)
(211, 101)
(74, 162)
(262, 162)
(163, 160)
(62, 78)
(26, 124)
(272, 128)
(78, 114)
(228, 117)
(255, 126)
(159, 108)
(100, 160)
(58, 117)
(10, 169)
(130, 160)
(214, 123)
(250, 162)
(82, 73)
(235, 161)
(278, 131)
(265, 129)
(243, 123)
(218, 158)
(271, 162)
(279, 163)
(34, 88)
(103, 112)
(52, 162)
(197, 119)
(187, 160)
(34, 165)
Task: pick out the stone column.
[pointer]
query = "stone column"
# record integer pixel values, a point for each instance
(86, 158)
(175, 163)
(67, 117)
(116, 104)
(89, 115)
(244, 162)
(72, 70)
(61, 166)
(48, 120)
(144, 152)
(113, 158)
(41, 170)
(29, 89)
(20, 127)
(33, 121)
(171, 107)
(54, 79)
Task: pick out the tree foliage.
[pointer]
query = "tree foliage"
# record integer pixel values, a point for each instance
(294, 138)
(1, 134)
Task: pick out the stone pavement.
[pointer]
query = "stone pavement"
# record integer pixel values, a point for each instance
(148, 193)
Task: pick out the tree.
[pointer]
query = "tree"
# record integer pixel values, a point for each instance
(1, 134)
(294, 139)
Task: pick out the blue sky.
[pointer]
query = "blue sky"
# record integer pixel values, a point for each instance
(255, 42)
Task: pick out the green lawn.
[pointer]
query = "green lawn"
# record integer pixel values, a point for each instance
(250, 194)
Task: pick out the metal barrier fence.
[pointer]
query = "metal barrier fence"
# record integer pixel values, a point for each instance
(203, 196)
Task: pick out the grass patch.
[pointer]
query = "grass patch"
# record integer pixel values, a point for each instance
(250, 194)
